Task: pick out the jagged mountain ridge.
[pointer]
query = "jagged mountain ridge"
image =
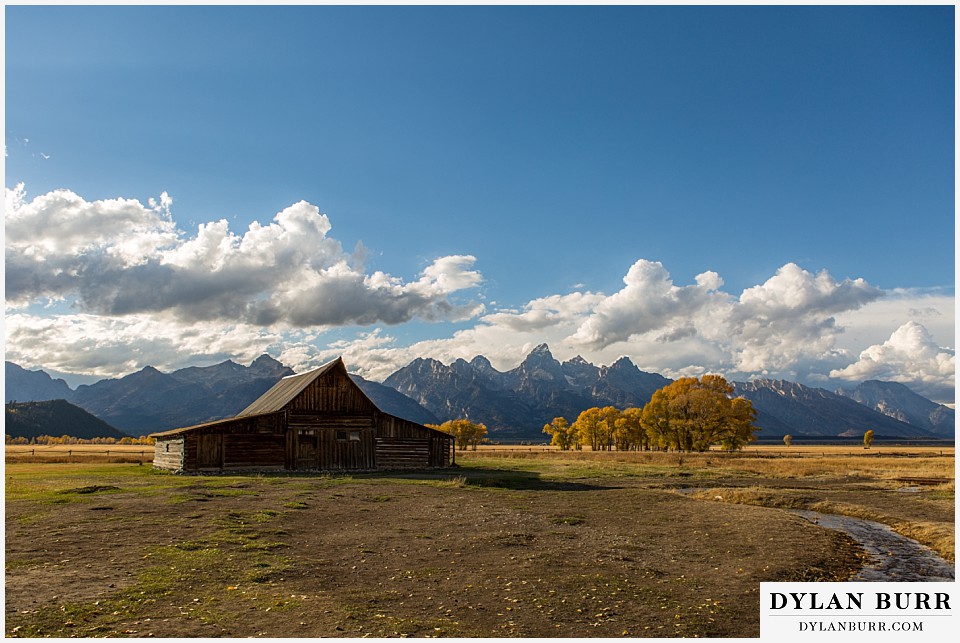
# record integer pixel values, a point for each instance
(789, 408)
(517, 403)
(899, 402)
(514, 404)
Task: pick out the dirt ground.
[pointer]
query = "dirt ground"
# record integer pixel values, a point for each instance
(464, 553)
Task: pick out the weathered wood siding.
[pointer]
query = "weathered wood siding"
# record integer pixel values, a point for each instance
(168, 454)
(334, 392)
(403, 453)
(243, 443)
(251, 451)
(441, 449)
(332, 449)
(402, 444)
(209, 450)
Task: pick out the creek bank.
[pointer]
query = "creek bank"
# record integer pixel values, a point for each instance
(891, 556)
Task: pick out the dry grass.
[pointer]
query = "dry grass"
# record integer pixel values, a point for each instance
(939, 537)
(887, 462)
(78, 453)
(847, 480)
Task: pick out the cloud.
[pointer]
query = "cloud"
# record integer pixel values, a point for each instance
(909, 356)
(648, 302)
(785, 327)
(873, 322)
(118, 257)
(788, 325)
(125, 288)
(111, 346)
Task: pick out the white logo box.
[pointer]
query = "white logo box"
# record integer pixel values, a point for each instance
(855, 611)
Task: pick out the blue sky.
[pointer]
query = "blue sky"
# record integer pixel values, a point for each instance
(647, 181)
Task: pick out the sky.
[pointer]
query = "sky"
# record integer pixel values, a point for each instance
(750, 191)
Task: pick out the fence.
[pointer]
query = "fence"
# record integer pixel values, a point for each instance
(79, 453)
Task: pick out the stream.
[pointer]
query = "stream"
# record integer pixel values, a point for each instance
(892, 557)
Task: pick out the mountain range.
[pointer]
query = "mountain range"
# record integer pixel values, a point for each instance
(148, 400)
(514, 404)
(55, 418)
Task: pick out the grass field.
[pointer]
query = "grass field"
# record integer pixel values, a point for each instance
(881, 463)
(79, 453)
(512, 542)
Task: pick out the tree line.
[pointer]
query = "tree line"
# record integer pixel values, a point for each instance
(691, 414)
(68, 439)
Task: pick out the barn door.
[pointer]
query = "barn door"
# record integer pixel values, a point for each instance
(308, 450)
(209, 451)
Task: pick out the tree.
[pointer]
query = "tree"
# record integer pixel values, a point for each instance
(868, 439)
(608, 426)
(596, 425)
(465, 432)
(787, 439)
(692, 414)
(629, 433)
(563, 434)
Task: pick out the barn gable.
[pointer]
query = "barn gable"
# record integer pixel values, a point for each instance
(328, 387)
(318, 420)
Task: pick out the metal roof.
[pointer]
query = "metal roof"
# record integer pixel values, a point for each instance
(204, 425)
(281, 393)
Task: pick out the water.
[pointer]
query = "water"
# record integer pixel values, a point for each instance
(891, 557)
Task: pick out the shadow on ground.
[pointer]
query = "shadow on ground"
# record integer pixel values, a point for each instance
(472, 477)
(498, 478)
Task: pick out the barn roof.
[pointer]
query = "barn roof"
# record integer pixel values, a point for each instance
(204, 425)
(281, 393)
(279, 396)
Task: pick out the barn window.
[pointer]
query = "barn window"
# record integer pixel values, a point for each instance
(167, 447)
(354, 436)
(341, 435)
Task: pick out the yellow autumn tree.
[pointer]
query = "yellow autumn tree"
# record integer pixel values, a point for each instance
(465, 432)
(587, 426)
(562, 434)
(692, 414)
(628, 433)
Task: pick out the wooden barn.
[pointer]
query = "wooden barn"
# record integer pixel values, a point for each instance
(316, 421)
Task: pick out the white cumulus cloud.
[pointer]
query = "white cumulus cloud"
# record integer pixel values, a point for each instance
(118, 257)
(648, 302)
(787, 325)
(909, 356)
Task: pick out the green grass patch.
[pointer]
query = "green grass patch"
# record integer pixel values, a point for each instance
(263, 546)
